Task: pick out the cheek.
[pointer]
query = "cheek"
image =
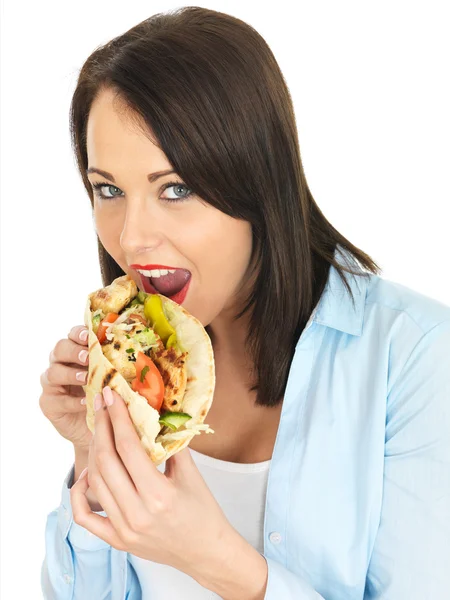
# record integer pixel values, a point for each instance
(108, 224)
(226, 250)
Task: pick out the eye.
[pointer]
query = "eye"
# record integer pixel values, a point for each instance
(176, 185)
(97, 190)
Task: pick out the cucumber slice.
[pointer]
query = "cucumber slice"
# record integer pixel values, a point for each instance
(174, 420)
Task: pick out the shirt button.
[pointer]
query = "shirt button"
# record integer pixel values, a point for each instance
(275, 537)
(67, 578)
(66, 513)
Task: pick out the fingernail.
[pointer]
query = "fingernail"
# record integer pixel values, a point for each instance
(82, 376)
(83, 473)
(83, 356)
(84, 335)
(98, 401)
(108, 396)
(83, 400)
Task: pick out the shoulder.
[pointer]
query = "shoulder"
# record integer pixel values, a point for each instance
(394, 301)
(413, 328)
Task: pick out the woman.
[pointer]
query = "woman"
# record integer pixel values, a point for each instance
(328, 473)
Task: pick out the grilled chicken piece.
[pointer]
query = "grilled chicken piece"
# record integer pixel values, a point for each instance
(115, 296)
(116, 352)
(171, 365)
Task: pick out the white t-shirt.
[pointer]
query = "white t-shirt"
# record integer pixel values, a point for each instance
(240, 490)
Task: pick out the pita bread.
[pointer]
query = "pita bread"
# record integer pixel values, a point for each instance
(198, 396)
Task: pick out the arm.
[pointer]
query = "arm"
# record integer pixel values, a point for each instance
(79, 565)
(411, 554)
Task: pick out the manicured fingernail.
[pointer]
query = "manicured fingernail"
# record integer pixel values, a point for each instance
(98, 401)
(82, 376)
(107, 395)
(83, 401)
(84, 335)
(83, 356)
(82, 474)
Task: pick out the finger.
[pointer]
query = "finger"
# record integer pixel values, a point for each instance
(115, 476)
(69, 352)
(59, 374)
(51, 404)
(100, 526)
(79, 334)
(143, 472)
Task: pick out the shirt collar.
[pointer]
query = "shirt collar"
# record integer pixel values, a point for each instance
(335, 308)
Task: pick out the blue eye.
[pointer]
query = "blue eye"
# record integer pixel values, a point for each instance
(175, 184)
(97, 190)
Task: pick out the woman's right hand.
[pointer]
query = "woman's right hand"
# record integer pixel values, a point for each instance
(61, 396)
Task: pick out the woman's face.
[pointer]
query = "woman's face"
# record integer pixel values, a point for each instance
(138, 224)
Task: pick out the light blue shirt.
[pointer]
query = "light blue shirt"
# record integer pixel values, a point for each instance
(358, 495)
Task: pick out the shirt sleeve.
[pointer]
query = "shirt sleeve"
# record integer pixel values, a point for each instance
(282, 583)
(80, 565)
(411, 553)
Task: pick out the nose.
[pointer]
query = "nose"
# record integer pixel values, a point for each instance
(141, 230)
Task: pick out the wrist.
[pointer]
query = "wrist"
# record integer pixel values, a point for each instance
(241, 571)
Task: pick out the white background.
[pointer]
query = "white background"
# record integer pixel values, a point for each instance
(370, 85)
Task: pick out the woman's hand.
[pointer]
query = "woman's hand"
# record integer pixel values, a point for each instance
(169, 518)
(61, 383)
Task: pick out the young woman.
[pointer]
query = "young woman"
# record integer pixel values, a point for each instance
(328, 473)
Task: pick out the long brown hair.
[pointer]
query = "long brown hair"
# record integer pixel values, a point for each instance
(208, 88)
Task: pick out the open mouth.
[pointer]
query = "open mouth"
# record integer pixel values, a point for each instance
(173, 283)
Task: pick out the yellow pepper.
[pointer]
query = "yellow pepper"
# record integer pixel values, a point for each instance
(153, 311)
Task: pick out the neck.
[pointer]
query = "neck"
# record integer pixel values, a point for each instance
(228, 341)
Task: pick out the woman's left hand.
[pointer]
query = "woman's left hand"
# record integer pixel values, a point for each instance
(169, 518)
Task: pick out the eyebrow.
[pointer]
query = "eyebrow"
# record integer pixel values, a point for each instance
(151, 176)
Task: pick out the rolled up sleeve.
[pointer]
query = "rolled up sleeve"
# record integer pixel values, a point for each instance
(78, 564)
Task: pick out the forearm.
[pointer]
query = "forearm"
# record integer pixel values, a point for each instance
(81, 462)
(241, 571)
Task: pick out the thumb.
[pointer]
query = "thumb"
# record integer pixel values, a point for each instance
(180, 464)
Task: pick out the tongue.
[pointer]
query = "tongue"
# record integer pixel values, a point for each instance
(171, 283)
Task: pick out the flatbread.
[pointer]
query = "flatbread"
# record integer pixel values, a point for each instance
(198, 396)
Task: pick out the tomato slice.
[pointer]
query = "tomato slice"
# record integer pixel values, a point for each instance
(101, 332)
(152, 388)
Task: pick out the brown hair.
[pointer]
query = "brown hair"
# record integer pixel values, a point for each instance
(208, 87)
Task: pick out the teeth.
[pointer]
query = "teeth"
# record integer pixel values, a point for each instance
(156, 272)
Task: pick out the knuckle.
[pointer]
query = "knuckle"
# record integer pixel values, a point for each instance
(101, 457)
(42, 402)
(73, 331)
(160, 505)
(49, 375)
(43, 379)
(57, 349)
(94, 481)
(78, 518)
(124, 446)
